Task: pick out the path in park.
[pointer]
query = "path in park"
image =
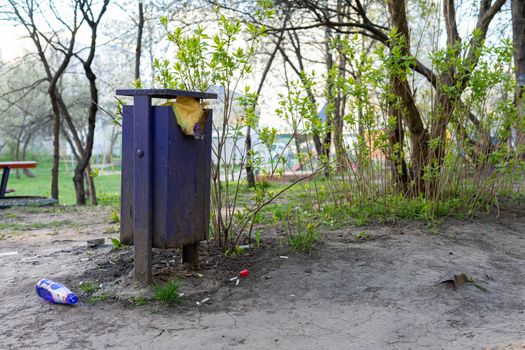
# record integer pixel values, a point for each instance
(374, 293)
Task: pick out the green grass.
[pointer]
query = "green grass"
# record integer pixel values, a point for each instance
(36, 225)
(168, 293)
(107, 185)
(138, 300)
(92, 300)
(329, 210)
(88, 287)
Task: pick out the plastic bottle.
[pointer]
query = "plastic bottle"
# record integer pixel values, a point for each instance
(55, 292)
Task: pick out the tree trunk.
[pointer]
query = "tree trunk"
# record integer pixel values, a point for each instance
(457, 77)
(88, 149)
(83, 166)
(443, 108)
(27, 140)
(339, 103)
(56, 141)
(17, 152)
(80, 192)
(444, 104)
(92, 192)
(108, 158)
(298, 147)
(330, 117)
(339, 111)
(26, 17)
(396, 153)
(78, 149)
(401, 88)
(518, 34)
(138, 49)
(250, 177)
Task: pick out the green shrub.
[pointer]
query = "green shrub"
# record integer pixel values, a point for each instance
(301, 237)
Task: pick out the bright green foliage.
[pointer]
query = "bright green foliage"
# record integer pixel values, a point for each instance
(467, 164)
(168, 293)
(202, 61)
(224, 59)
(116, 243)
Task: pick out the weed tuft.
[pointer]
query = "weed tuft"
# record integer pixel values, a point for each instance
(258, 238)
(117, 244)
(168, 293)
(236, 251)
(138, 300)
(115, 217)
(92, 300)
(304, 240)
(88, 287)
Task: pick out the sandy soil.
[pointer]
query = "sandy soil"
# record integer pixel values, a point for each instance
(381, 292)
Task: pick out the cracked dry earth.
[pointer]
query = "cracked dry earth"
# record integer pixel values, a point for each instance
(380, 292)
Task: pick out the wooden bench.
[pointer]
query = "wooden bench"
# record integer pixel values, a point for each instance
(7, 166)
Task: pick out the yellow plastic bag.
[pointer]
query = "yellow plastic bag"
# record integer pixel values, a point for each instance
(189, 112)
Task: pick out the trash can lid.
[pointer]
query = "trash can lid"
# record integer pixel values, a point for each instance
(165, 93)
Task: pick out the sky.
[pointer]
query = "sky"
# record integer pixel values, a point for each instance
(11, 46)
(14, 42)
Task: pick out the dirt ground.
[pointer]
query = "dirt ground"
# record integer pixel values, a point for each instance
(377, 292)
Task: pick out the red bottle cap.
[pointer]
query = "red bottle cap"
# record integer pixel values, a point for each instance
(244, 273)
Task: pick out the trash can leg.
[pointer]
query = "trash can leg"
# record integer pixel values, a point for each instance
(142, 188)
(190, 254)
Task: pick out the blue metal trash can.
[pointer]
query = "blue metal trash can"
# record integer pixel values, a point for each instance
(165, 194)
